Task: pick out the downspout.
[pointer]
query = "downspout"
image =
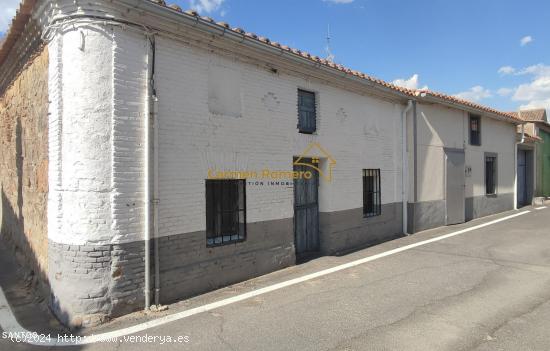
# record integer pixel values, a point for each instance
(147, 200)
(522, 134)
(151, 196)
(405, 165)
(156, 199)
(155, 160)
(516, 164)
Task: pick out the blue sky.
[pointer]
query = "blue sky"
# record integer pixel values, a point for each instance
(456, 47)
(496, 52)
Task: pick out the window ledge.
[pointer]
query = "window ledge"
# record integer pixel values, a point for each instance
(219, 241)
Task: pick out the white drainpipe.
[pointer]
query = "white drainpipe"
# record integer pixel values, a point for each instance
(405, 164)
(156, 199)
(151, 184)
(147, 198)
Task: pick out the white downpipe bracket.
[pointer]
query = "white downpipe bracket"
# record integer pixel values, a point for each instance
(405, 165)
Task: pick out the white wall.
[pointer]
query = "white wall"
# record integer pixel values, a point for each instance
(97, 127)
(218, 112)
(439, 127)
(80, 137)
(258, 131)
(496, 137)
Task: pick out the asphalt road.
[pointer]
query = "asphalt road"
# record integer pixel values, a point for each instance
(487, 289)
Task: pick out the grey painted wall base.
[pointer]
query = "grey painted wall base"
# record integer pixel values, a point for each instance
(425, 215)
(431, 214)
(344, 231)
(189, 268)
(91, 283)
(485, 205)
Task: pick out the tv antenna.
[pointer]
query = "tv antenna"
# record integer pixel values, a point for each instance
(330, 55)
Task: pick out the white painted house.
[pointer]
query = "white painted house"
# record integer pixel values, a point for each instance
(185, 155)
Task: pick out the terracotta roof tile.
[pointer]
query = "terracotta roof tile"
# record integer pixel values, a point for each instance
(27, 5)
(406, 91)
(530, 138)
(16, 27)
(535, 115)
(471, 104)
(175, 7)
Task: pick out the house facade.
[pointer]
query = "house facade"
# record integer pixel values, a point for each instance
(463, 166)
(182, 155)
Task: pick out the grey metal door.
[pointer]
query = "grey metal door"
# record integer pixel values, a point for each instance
(306, 211)
(522, 177)
(455, 182)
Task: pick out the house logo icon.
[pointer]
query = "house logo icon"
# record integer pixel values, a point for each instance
(311, 158)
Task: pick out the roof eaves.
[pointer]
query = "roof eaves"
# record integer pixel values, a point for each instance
(16, 28)
(223, 28)
(322, 63)
(469, 106)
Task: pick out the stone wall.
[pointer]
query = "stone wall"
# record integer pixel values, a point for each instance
(24, 162)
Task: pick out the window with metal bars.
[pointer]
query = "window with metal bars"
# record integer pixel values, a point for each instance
(475, 130)
(307, 112)
(372, 200)
(490, 174)
(225, 211)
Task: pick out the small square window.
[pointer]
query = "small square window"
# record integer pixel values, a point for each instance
(475, 130)
(225, 211)
(372, 200)
(490, 174)
(307, 112)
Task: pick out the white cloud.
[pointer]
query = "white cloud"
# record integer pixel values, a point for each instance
(536, 93)
(537, 70)
(505, 91)
(526, 40)
(504, 70)
(7, 12)
(411, 83)
(206, 6)
(476, 93)
(339, 1)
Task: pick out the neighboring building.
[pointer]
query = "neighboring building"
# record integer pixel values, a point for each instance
(462, 163)
(538, 128)
(529, 162)
(209, 155)
(537, 153)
